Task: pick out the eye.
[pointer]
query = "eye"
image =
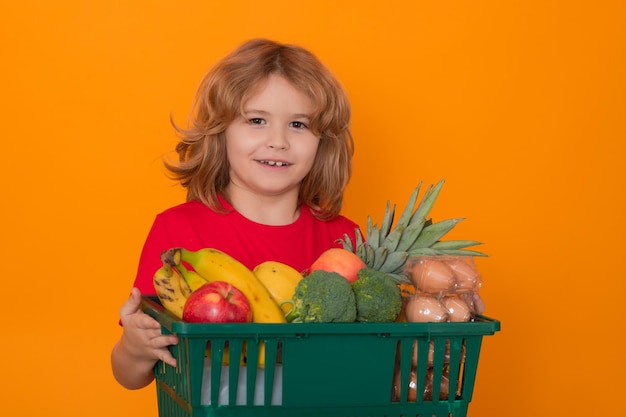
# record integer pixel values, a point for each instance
(298, 125)
(256, 121)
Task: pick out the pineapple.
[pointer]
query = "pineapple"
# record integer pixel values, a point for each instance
(387, 248)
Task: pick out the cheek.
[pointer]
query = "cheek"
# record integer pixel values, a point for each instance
(238, 145)
(307, 149)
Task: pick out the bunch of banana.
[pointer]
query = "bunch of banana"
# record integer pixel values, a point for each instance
(279, 279)
(387, 248)
(171, 289)
(213, 265)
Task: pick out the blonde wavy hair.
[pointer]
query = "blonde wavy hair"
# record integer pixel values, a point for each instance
(203, 166)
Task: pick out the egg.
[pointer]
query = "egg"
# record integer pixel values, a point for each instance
(425, 308)
(431, 354)
(458, 310)
(443, 384)
(466, 276)
(432, 276)
(412, 392)
(409, 391)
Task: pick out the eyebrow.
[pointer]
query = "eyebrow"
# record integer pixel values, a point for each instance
(263, 112)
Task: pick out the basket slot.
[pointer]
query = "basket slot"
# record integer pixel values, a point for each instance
(455, 375)
(236, 352)
(191, 354)
(470, 365)
(437, 376)
(271, 353)
(403, 369)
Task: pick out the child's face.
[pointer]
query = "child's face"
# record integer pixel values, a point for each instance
(271, 149)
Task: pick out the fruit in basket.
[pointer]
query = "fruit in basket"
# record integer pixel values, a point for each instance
(387, 248)
(338, 260)
(378, 298)
(171, 290)
(192, 278)
(322, 297)
(280, 280)
(215, 265)
(217, 302)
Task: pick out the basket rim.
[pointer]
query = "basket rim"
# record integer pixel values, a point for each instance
(482, 325)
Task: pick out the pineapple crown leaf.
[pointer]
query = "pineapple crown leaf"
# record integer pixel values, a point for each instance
(410, 234)
(346, 242)
(407, 213)
(359, 238)
(454, 244)
(428, 201)
(433, 232)
(385, 227)
(373, 235)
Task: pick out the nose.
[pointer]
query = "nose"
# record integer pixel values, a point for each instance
(277, 139)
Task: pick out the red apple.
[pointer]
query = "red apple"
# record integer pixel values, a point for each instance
(217, 302)
(341, 261)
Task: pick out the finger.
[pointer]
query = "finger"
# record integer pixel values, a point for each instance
(479, 304)
(162, 352)
(167, 357)
(148, 322)
(132, 304)
(163, 341)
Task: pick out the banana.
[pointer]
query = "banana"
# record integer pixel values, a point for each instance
(191, 278)
(280, 280)
(173, 295)
(215, 265)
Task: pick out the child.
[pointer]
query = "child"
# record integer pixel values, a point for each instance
(265, 160)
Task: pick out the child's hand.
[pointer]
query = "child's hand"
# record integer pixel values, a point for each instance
(142, 336)
(479, 304)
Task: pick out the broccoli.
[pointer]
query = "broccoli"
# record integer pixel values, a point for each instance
(323, 297)
(378, 298)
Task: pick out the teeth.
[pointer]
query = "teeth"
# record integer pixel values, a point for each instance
(275, 163)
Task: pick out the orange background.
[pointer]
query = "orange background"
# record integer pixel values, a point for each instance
(519, 105)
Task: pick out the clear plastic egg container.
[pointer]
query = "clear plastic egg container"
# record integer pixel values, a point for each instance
(445, 288)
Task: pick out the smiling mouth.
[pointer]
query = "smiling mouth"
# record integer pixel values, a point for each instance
(275, 163)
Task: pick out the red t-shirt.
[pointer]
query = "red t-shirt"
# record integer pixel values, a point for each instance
(194, 226)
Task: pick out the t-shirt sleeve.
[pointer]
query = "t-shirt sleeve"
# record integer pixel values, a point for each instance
(150, 258)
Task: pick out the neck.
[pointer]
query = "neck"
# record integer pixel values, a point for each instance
(278, 210)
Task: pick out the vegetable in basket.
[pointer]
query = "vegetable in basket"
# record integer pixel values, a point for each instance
(322, 297)
(378, 297)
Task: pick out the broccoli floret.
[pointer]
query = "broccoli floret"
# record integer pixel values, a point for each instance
(323, 297)
(378, 298)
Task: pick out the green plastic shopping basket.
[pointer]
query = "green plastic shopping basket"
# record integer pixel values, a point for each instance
(319, 369)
